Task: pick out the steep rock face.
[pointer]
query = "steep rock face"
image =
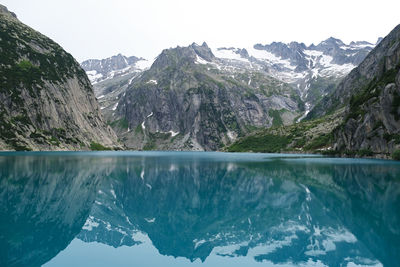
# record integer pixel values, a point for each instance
(185, 101)
(372, 67)
(372, 91)
(46, 100)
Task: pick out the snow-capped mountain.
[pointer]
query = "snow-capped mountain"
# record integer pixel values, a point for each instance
(313, 70)
(191, 100)
(265, 85)
(115, 66)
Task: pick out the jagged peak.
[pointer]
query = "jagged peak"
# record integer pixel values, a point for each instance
(332, 40)
(360, 43)
(119, 55)
(4, 10)
(194, 44)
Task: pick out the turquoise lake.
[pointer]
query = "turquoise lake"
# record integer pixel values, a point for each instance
(197, 209)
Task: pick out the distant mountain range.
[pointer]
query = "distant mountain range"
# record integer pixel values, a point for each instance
(264, 86)
(119, 65)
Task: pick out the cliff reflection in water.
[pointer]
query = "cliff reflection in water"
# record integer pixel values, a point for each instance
(194, 205)
(44, 203)
(295, 211)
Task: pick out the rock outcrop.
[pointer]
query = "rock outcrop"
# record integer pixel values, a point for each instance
(372, 91)
(46, 99)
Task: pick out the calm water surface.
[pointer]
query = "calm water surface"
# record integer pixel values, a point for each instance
(197, 209)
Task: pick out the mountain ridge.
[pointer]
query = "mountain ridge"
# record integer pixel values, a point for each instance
(315, 77)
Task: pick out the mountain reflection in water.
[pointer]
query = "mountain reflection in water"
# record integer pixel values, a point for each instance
(259, 207)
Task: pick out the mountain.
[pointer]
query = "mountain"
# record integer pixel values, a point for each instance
(307, 73)
(313, 70)
(188, 100)
(47, 101)
(110, 77)
(372, 94)
(360, 117)
(119, 65)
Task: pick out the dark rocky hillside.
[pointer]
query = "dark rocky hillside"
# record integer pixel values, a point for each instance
(46, 99)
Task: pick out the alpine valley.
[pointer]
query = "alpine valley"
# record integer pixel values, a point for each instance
(202, 98)
(331, 97)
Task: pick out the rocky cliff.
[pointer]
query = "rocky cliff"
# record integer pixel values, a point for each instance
(372, 94)
(46, 99)
(43, 211)
(360, 117)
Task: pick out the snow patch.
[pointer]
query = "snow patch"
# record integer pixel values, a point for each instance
(153, 82)
(173, 133)
(198, 243)
(269, 57)
(150, 220)
(143, 64)
(94, 76)
(200, 60)
(228, 53)
(90, 224)
(115, 106)
(321, 247)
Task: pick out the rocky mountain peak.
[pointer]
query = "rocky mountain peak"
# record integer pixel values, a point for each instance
(359, 43)
(115, 62)
(332, 41)
(5, 11)
(203, 51)
(180, 56)
(297, 46)
(204, 45)
(117, 65)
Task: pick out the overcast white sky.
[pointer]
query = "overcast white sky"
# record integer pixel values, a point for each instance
(101, 28)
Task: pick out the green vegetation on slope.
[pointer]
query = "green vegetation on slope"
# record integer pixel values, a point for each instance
(98, 147)
(261, 143)
(396, 155)
(372, 90)
(306, 136)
